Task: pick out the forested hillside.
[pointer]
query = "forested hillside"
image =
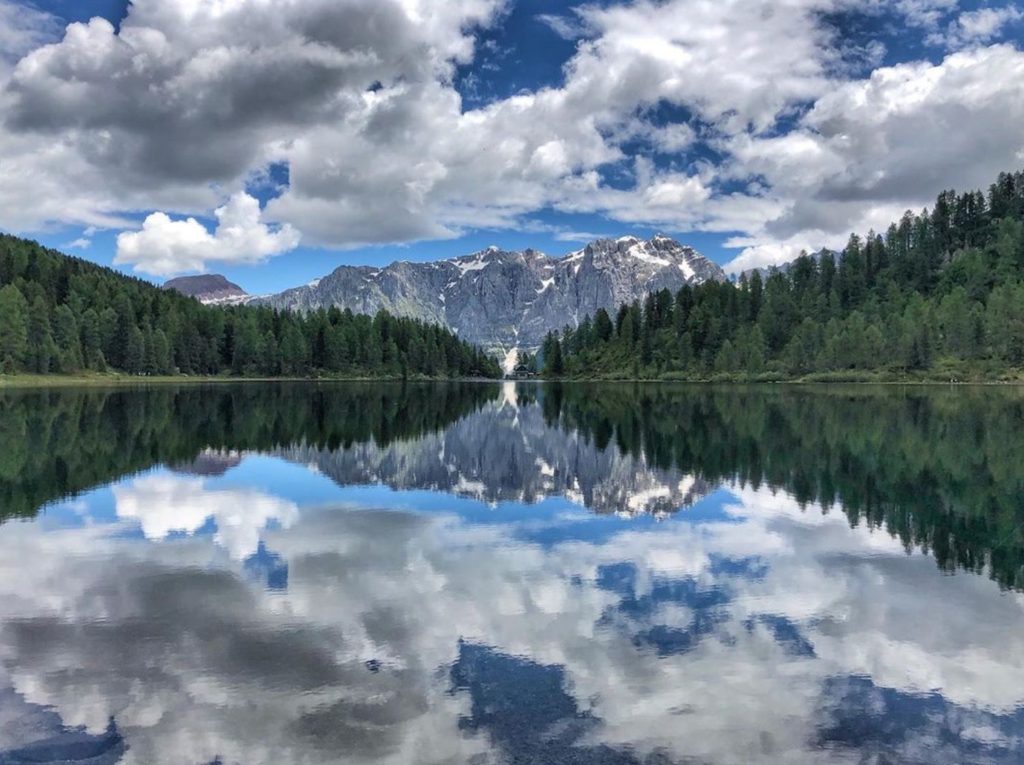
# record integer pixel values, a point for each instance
(60, 314)
(940, 293)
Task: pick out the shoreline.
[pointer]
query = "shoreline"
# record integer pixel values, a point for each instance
(836, 383)
(29, 381)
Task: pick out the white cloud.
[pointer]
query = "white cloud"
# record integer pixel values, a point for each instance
(578, 236)
(211, 107)
(164, 246)
(978, 27)
(870, 149)
(926, 14)
(357, 99)
(566, 27)
(23, 28)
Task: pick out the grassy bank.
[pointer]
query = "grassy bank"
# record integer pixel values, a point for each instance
(941, 374)
(105, 379)
(875, 377)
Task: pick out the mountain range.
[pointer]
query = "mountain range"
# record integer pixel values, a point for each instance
(501, 300)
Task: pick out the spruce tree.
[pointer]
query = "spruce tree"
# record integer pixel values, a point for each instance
(13, 329)
(41, 350)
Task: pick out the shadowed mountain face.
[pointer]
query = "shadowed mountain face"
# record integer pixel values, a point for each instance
(503, 300)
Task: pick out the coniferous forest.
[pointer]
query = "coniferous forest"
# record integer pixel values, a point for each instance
(64, 315)
(939, 294)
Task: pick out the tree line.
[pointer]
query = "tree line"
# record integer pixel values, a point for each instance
(939, 293)
(60, 314)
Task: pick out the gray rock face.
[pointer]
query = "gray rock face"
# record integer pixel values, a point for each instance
(506, 300)
(211, 289)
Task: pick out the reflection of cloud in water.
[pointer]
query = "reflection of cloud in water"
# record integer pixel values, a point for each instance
(165, 504)
(767, 638)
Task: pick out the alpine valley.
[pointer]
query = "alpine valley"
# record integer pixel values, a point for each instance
(501, 300)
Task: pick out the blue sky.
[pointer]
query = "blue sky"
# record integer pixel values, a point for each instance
(372, 130)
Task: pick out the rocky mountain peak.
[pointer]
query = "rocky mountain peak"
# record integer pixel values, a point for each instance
(506, 299)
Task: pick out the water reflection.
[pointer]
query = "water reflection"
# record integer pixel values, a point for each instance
(482, 575)
(165, 504)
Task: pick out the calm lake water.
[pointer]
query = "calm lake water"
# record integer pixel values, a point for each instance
(495, 573)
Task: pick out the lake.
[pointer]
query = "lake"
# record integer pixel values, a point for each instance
(502, 573)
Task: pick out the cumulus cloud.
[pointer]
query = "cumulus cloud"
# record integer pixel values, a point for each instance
(358, 100)
(207, 94)
(164, 246)
(872, 148)
(978, 27)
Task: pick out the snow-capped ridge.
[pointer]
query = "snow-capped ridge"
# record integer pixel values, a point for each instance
(507, 299)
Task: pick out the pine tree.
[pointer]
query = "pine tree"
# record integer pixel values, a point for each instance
(554, 364)
(92, 344)
(1004, 323)
(133, 358)
(13, 329)
(67, 338)
(41, 349)
(162, 353)
(294, 352)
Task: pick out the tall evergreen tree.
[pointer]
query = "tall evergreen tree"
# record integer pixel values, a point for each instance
(41, 350)
(13, 329)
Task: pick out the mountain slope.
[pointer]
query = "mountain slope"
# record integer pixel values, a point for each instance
(212, 289)
(501, 300)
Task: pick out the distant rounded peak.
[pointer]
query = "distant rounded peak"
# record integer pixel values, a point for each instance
(202, 284)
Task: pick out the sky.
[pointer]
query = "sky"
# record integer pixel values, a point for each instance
(274, 140)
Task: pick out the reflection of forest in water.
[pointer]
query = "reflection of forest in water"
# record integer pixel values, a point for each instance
(939, 468)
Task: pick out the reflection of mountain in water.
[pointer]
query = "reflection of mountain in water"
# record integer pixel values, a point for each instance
(210, 463)
(939, 469)
(506, 452)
